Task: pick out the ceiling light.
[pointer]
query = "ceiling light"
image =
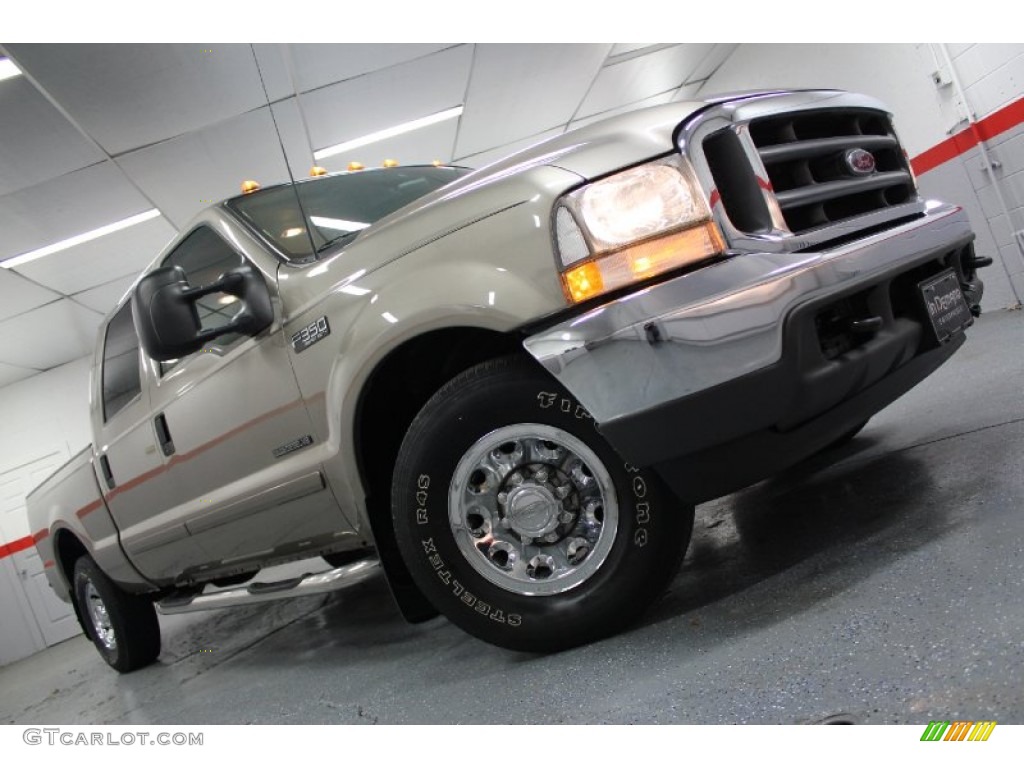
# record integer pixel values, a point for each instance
(8, 69)
(387, 133)
(85, 237)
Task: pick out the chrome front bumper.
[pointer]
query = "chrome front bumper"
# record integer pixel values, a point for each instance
(714, 325)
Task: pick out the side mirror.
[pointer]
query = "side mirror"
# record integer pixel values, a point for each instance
(166, 318)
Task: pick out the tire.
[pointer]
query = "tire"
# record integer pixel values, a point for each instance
(847, 437)
(122, 626)
(578, 545)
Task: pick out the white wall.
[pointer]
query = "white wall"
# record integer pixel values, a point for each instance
(925, 115)
(992, 79)
(44, 416)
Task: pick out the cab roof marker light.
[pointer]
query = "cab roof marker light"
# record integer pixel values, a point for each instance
(387, 133)
(8, 69)
(85, 237)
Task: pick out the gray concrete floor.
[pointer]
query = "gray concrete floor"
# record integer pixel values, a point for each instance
(886, 587)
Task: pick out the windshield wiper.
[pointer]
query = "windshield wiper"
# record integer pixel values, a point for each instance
(335, 240)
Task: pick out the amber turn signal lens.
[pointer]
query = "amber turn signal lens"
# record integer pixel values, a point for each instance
(317, 170)
(355, 165)
(249, 186)
(642, 261)
(583, 282)
(390, 163)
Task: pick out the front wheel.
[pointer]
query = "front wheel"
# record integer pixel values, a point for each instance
(122, 626)
(520, 522)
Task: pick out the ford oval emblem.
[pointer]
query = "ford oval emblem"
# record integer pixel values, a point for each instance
(860, 162)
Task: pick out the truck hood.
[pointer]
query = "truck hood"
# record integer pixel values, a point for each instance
(576, 156)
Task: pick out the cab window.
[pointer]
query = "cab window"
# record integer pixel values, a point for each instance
(120, 375)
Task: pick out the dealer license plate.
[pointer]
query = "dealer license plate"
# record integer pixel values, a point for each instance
(945, 304)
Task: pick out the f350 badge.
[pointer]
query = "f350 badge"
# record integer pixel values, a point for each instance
(311, 334)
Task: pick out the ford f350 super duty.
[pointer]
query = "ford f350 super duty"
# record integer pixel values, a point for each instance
(504, 389)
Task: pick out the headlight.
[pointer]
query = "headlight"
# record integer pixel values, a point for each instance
(632, 226)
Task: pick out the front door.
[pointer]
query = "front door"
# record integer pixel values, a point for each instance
(235, 432)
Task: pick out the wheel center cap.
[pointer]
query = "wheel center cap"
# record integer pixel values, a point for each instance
(532, 510)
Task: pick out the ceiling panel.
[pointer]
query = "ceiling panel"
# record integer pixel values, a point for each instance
(521, 90)
(620, 48)
(712, 61)
(38, 143)
(20, 295)
(317, 64)
(274, 68)
(293, 136)
(70, 334)
(66, 206)
(12, 373)
(481, 159)
(94, 263)
(419, 147)
(643, 76)
(128, 96)
(186, 174)
(104, 298)
(386, 98)
(653, 101)
(687, 91)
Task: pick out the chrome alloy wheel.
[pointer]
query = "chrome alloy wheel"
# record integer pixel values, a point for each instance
(99, 617)
(533, 509)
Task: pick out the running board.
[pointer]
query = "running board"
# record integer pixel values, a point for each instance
(260, 592)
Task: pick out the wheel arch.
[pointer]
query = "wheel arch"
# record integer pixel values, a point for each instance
(67, 549)
(397, 388)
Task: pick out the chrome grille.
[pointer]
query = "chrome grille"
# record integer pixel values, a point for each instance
(778, 177)
(805, 156)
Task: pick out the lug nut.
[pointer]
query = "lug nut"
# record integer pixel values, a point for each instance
(577, 550)
(565, 517)
(541, 475)
(515, 479)
(551, 538)
(563, 491)
(502, 497)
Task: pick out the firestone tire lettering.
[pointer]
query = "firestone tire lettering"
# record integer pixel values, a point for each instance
(652, 531)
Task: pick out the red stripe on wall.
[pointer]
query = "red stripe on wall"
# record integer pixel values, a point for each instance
(985, 129)
(18, 545)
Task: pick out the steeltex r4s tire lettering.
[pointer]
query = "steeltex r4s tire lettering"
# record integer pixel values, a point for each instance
(519, 521)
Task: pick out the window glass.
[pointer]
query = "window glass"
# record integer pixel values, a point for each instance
(120, 363)
(337, 207)
(205, 257)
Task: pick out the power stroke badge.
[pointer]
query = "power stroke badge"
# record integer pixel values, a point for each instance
(293, 446)
(311, 334)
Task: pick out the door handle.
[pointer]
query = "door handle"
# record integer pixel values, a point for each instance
(163, 434)
(108, 476)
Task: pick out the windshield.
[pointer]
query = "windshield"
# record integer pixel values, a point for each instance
(337, 207)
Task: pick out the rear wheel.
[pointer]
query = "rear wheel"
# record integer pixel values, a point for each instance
(122, 626)
(520, 522)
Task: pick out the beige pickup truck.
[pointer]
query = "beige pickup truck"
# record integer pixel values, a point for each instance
(504, 389)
